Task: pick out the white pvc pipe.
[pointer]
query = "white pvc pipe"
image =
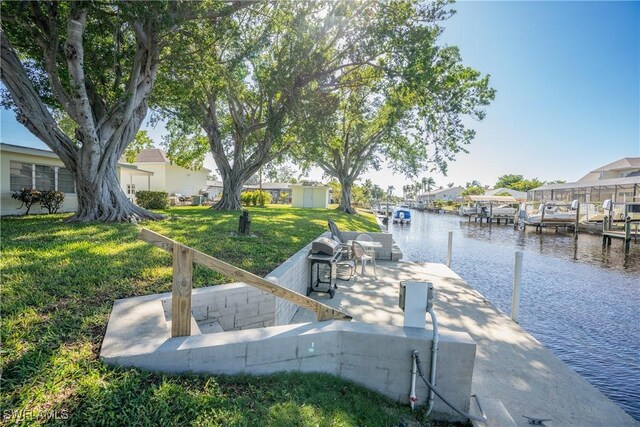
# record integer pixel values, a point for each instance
(517, 278)
(414, 370)
(449, 249)
(434, 358)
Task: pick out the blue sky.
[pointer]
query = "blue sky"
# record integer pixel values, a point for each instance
(567, 76)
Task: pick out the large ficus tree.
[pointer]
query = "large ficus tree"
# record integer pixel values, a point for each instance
(406, 107)
(254, 86)
(96, 62)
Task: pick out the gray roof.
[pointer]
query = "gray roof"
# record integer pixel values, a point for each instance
(629, 180)
(624, 163)
(11, 148)
(271, 186)
(152, 155)
(442, 190)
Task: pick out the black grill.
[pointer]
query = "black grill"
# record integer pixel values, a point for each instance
(325, 246)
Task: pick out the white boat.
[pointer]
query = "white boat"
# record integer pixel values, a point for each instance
(402, 215)
(468, 210)
(552, 213)
(501, 210)
(504, 210)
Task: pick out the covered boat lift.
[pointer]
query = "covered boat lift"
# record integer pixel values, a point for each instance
(486, 208)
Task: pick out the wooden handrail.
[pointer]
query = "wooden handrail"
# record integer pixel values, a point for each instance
(323, 311)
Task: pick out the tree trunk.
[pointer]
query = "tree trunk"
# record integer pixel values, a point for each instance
(231, 188)
(93, 159)
(345, 201)
(100, 198)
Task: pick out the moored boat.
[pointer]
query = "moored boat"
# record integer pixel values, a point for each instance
(402, 215)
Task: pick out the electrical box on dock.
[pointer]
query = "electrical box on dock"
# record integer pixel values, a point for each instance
(416, 299)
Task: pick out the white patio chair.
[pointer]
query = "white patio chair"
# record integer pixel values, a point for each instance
(370, 251)
(359, 254)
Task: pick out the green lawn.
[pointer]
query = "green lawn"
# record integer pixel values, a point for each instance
(59, 282)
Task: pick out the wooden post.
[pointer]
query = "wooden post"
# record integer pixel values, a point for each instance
(575, 231)
(244, 226)
(181, 291)
(544, 208)
(627, 234)
(323, 311)
(490, 219)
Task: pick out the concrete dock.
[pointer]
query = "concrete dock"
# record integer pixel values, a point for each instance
(514, 374)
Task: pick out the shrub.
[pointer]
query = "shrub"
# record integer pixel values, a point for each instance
(255, 198)
(283, 197)
(52, 200)
(152, 199)
(28, 197)
(246, 197)
(261, 198)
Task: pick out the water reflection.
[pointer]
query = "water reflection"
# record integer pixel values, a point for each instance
(580, 299)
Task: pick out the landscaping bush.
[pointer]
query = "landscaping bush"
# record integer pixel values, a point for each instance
(246, 197)
(261, 198)
(52, 200)
(28, 197)
(152, 199)
(255, 198)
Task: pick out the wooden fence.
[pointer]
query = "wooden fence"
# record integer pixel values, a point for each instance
(183, 259)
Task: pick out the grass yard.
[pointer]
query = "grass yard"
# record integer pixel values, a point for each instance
(59, 282)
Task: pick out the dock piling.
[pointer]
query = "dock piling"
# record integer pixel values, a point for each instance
(577, 224)
(450, 246)
(517, 278)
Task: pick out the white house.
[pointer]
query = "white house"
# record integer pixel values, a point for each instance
(166, 176)
(26, 167)
(444, 194)
(618, 181)
(309, 196)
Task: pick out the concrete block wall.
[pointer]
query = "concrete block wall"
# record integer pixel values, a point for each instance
(234, 306)
(386, 239)
(292, 274)
(375, 356)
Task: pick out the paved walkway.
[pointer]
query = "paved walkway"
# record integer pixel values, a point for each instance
(511, 365)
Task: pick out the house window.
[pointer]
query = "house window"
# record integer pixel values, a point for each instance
(66, 183)
(131, 189)
(40, 177)
(45, 178)
(21, 176)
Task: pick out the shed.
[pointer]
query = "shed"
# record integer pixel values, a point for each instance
(309, 196)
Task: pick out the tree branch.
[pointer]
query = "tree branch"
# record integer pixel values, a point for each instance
(31, 110)
(74, 52)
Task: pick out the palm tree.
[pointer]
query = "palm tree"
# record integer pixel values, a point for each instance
(427, 183)
(430, 183)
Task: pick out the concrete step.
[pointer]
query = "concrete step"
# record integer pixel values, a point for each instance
(494, 410)
(210, 327)
(195, 329)
(396, 253)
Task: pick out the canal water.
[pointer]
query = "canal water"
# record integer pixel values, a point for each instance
(582, 301)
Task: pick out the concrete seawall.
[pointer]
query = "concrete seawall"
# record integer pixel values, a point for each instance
(514, 374)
